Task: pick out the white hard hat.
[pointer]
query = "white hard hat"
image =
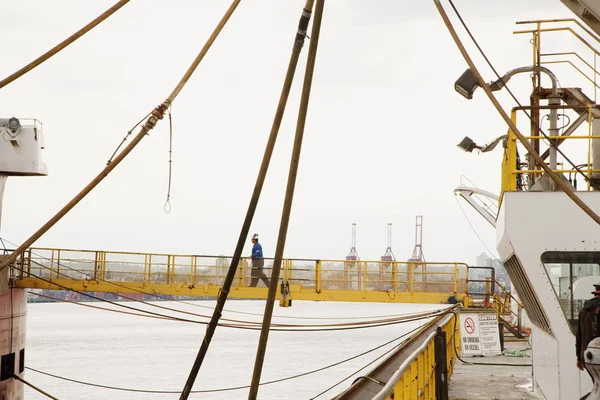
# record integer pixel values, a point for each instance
(255, 236)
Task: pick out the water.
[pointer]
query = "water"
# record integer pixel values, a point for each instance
(129, 351)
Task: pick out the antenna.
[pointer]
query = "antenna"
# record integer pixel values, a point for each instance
(353, 255)
(389, 254)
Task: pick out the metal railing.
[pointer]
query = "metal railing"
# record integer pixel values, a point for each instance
(512, 174)
(502, 303)
(197, 270)
(539, 56)
(584, 61)
(484, 297)
(497, 297)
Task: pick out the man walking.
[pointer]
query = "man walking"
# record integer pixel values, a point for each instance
(257, 263)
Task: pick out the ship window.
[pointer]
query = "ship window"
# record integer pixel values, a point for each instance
(564, 268)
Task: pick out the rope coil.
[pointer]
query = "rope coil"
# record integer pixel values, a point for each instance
(167, 207)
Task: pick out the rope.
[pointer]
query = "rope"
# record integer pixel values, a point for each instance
(245, 229)
(17, 377)
(108, 301)
(248, 325)
(156, 115)
(283, 327)
(365, 320)
(63, 44)
(167, 206)
(98, 307)
(129, 132)
(372, 362)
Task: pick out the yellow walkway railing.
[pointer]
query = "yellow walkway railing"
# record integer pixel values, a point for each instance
(409, 373)
(198, 275)
(417, 375)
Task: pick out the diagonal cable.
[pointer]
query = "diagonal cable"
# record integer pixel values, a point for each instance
(156, 115)
(63, 44)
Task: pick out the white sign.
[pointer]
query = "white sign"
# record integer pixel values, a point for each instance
(479, 334)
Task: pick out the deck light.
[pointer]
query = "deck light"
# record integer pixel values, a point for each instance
(467, 144)
(466, 84)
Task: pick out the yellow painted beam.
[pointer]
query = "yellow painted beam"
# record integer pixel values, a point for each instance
(297, 292)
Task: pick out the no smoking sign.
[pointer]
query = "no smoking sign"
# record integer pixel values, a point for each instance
(469, 325)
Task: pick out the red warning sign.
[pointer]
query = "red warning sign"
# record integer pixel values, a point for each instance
(469, 325)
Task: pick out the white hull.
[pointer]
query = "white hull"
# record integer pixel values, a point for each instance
(530, 224)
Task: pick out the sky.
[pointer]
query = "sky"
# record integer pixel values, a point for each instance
(380, 138)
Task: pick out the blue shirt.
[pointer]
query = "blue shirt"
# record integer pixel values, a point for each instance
(257, 251)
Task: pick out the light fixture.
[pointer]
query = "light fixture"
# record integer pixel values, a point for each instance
(466, 84)
(468, 145)
(14, 124)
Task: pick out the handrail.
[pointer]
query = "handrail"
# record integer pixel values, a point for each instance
(389, 387)
(544, 21)
(511, 169)
(576, 68)
(539, 30)
(582, 40)
(508, 291)
(568, 53)
(228, 256)
(415, 375)
(101, 269)
(391, 383)
(499, 304)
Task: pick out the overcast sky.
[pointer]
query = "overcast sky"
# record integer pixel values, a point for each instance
(380, 141)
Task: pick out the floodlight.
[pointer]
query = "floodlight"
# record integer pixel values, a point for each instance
(468, 145)
(466, 84)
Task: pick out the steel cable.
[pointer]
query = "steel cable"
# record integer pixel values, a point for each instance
(61, 265)
(373, 319)
(291, 328)
(310, 327)
(366, 365)
(63, 44)
(37, 389)
(156, 115)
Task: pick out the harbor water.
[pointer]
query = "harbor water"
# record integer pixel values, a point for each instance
(128, 351)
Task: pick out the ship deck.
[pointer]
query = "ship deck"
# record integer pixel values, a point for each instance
(479, 382)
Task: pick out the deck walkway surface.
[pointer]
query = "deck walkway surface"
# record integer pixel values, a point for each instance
(483, 382)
